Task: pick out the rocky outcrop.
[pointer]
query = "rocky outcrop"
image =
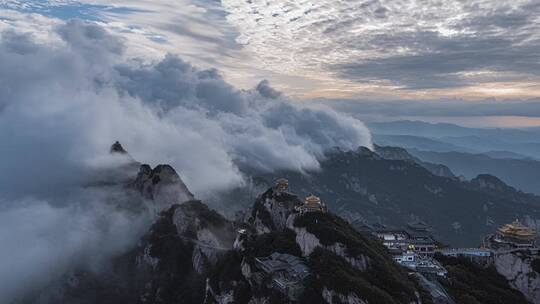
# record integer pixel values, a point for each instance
(209, 233)
(116, 147)
(271, 211)
(162, 186)
(308, 242)
(490, 182)
(517, 269)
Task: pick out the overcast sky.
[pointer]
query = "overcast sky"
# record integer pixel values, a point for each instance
(375, 50)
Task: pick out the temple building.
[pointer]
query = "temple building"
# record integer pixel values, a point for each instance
(285, 273)
(421, 238)
(515, 235)
(282, 185)
(312, 203)
(416, 236)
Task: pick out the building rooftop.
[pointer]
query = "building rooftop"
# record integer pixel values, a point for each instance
(312, 200)
(292, 265)
(517, 230)
(282, 181)
(418, 226)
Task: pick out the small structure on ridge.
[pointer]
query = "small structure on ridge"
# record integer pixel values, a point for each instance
(312, 203)
(282, 185)
(117, 148)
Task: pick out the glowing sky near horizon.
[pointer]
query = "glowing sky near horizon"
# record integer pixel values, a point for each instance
(365, 50)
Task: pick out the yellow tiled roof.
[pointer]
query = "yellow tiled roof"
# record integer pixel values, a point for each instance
(312, 200)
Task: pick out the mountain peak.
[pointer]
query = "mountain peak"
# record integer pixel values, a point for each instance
(116, 147)
(491, 182)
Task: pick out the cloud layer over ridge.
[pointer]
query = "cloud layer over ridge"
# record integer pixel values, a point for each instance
(64, 101)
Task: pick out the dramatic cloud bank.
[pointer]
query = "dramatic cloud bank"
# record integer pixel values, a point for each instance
(413, 45)
(63, 102)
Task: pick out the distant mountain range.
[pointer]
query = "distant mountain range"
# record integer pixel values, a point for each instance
(523, 174)
(425, 129)
(417, 142)
(390, 187)
(510, 154)
(516, 143)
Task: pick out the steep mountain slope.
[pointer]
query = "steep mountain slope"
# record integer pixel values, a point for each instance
(470, 283)
(276, 252)
(169, 265)
(523, 174)
(190, 255)
(363, 185)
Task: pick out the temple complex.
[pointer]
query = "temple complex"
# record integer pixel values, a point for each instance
(312, 203)
(515, 235)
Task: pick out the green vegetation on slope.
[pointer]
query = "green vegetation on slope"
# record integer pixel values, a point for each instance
(383, 280)
(469, 283)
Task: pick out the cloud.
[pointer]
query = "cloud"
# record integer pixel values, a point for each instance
(70, 101)
(42, 242)
(446, 61)
(387, 49)
(406, 44)
(64, 101)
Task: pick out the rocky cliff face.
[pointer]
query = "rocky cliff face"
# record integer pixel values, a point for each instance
(170, 264)
(161, 186)
(188, 258)
(518, 270)
(308, 242)
(272, 210)
(153, 190)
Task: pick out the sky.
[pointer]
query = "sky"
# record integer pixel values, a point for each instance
(376, 50)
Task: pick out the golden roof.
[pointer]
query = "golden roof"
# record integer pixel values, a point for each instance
(282, 181)
(517, 229)
(312, 200)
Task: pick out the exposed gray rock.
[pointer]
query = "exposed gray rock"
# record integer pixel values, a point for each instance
(162, 187)
(516, 268)
(308, 242)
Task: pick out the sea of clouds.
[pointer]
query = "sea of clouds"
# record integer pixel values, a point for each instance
(65, 100)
